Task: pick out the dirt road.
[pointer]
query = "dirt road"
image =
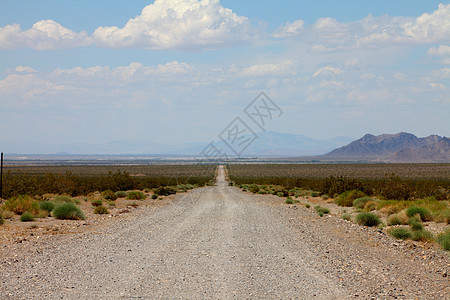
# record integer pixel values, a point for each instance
(218, 242)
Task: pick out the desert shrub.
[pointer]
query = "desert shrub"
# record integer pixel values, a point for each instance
(307, 205)
(289, 200)
(101, 210)
(112, 204)
(147, 190)
(424, 213)
(135, 195)
(395, 188)
(281, 193)
(361, 202)
(26, 217)
(63, 199)
(68, 211)
(415, 224)
(400, 233)
(346, 217)
(368, 219)
(422, 235)
(19, 205)
(121, 194)
(347, 197)
(7, 214)
(395, 220)
(46, 205)
(42, 214)
(164, 191)
(2, 221)
(154, 196)
(315, 194)
(97, 203)
(109, 195)
(325, 197)
(338, 185)
(321, 210)
(370, 206)
(254, 189)
(444, 240)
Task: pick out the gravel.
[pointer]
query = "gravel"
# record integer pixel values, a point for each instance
(219, 242)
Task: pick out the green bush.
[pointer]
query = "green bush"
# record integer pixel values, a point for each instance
(325, 197)
(154, 196)
(307, 205)
(368, 219)
(254, 189)
(19, 205)
(63, 199)
(101, 210)
(46, 205)
(422, 235)
(415, 224)
(26, 217)
(347, 217)
(361, 202)
(135, 195)
(315, 194)
(289, 201)
(165, 191)
(444, 240)
(109, 195)
(400, 233)
(121, 194)
(68, 211)
(321, 210)
(424, 213)
(347, 197)
(394, 220)
(97, 203)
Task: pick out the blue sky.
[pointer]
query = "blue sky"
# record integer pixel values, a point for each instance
(176, 71)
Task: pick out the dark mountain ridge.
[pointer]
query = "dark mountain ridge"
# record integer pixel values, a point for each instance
(402, 146)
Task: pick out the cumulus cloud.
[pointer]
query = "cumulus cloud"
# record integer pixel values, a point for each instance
(44, 35)
(289, 29)
(328, 70)
(442, 51)
(284, 68)
(25, 69)
(328, 34)
(178, 24)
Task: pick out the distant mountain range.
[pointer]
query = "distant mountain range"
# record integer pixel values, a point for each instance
(400, 147)
(267, 144)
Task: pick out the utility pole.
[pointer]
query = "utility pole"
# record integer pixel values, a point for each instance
(1, 177)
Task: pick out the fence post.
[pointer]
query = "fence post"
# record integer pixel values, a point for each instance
(1, 177)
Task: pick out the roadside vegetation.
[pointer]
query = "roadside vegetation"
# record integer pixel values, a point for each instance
(35, 193)
(404, 206)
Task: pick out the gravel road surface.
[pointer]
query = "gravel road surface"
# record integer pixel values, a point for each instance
(220, 243)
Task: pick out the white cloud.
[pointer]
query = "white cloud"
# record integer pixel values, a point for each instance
(44, 35)
(25, 69)
(289, 29)
(327, 34)
(442, 51)
(178, 24)
(442, 73)
(328, 70)
(284, 68)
